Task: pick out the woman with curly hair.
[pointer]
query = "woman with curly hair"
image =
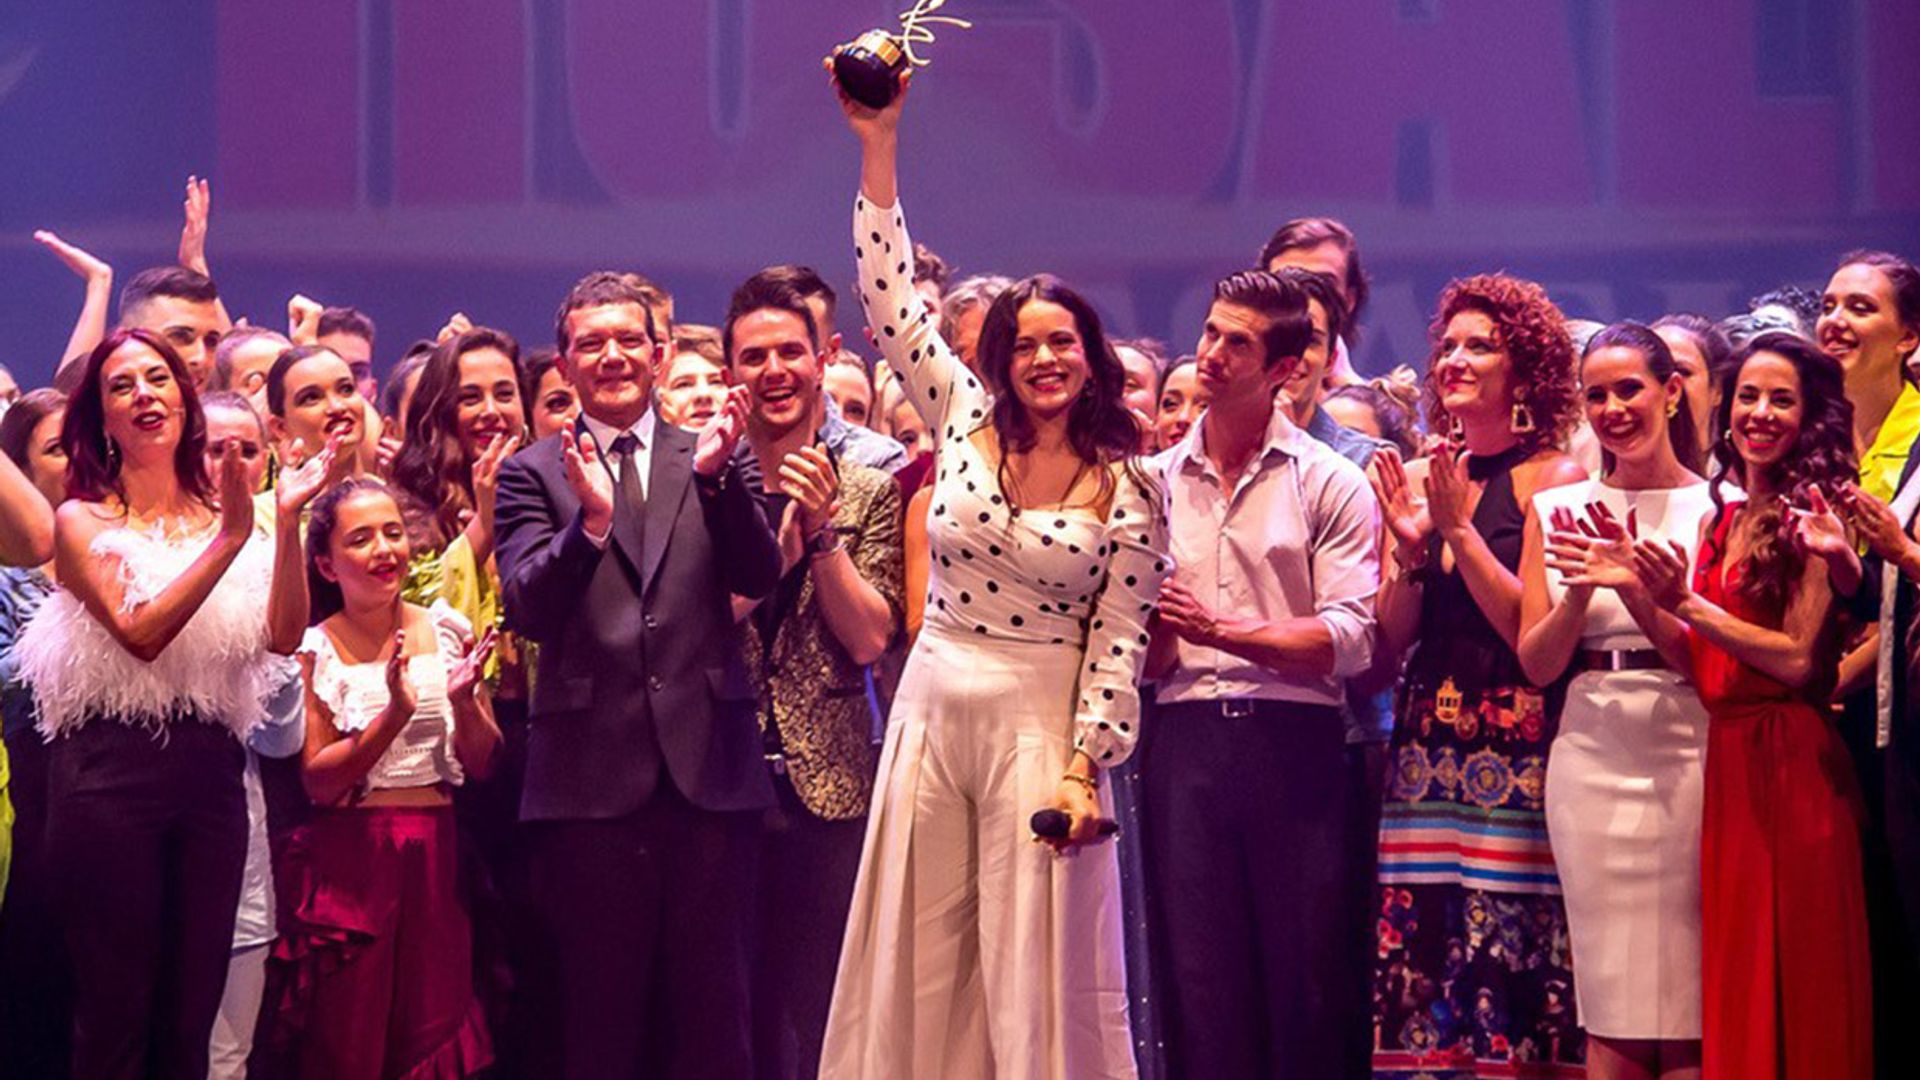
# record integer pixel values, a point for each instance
(1784, 954)
(1473, 950)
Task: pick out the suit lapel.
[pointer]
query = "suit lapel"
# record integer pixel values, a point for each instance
(667, 480)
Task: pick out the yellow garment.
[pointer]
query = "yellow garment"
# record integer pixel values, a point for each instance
(470, 589)
(6, 826)
(1880, 466)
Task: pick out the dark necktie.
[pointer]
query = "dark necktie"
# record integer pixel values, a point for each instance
(627, 449)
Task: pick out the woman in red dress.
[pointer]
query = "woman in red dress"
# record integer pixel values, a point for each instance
(1784, 965)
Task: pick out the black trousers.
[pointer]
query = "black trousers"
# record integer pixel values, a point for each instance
(34, 984)
(1250, 859)
(643, 923)
(147, 837)
(807, 870)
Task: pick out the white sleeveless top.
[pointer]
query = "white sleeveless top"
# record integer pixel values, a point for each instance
(1662, 514)
(422, 754)
(217, 668)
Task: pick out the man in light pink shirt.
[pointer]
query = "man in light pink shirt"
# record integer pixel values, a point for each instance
(1246, 788)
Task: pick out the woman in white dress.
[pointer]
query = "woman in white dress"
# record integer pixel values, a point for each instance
(1626, 773)
(972, 951)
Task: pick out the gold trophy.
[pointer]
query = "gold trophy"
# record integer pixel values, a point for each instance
(869, 67)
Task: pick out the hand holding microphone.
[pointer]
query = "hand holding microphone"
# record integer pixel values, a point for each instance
(1074, 818)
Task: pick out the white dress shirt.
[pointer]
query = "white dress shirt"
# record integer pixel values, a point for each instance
(1297, 538)
(604, 435)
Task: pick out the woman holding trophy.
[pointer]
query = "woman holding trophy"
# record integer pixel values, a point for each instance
(972, 950)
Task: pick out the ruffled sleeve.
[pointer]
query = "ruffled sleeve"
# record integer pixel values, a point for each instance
(328, 679)
(1107, 723)
(452, 631)
(946, 395)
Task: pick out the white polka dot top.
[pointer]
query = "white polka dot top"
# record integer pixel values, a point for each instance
(1041, 577)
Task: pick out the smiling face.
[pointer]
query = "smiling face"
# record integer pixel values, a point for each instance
(1049, 369)
(774, 359)
(554, 404)
(141, 402)
(1767, 410)
(227, 422)
(1860, 325)
(609, 361)
(1182, 400)
(1471, 370)
(692, 391)
(1626, 406)
(47, 459)
(487, 401)
(368, 552)
(322, 402)
(1231, 359)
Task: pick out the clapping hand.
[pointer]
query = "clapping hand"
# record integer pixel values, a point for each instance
(589, 481)
(1817, 528)
(713, 447)
(1662, 569)
(1449, 492)
(1405, 515)
(468, 674)
(1595, 552)
(236, 493)
(402, 701)
(1874, 521)
(304, 478)
(808, 477)
(303, 320)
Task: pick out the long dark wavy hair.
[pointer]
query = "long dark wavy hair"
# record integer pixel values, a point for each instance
(324, 597)
(93, 467)
(432, 470)
(1100, 428)
(1821, 454)
(1660, 364)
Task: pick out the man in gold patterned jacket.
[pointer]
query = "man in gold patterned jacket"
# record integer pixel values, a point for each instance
(836, 609)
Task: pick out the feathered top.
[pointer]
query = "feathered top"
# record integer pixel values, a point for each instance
(217, 668)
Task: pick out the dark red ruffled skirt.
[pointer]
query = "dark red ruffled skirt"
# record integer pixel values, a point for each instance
(375, 963)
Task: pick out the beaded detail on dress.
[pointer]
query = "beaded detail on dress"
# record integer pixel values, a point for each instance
(217, 668)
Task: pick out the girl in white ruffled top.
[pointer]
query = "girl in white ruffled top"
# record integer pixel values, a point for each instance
(380, 949)
(147, 669)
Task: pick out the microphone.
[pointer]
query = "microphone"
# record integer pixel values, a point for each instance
(1051, 824)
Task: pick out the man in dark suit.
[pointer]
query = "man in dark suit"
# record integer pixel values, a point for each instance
(620, 541)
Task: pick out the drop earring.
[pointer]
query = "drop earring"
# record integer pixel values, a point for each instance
(1457, 432)
(1522, 421)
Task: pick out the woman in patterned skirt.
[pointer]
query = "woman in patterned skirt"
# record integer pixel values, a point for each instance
(1473, 964)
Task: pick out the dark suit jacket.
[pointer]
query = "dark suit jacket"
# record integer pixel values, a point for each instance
(815, 692)
(640, 667)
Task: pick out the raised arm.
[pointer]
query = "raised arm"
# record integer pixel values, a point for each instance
(197, 210)
(91, 327)
(947, 396)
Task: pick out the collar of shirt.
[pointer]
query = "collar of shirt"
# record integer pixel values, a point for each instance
(1355, 446)
(604, 433)
(1881, 465)
(1283, 437)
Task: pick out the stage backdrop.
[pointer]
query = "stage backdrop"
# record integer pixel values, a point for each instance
(414, 157)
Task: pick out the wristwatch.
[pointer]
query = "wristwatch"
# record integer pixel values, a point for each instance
(824, 542)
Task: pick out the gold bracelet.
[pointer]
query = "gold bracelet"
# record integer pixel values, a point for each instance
(1088, 782)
